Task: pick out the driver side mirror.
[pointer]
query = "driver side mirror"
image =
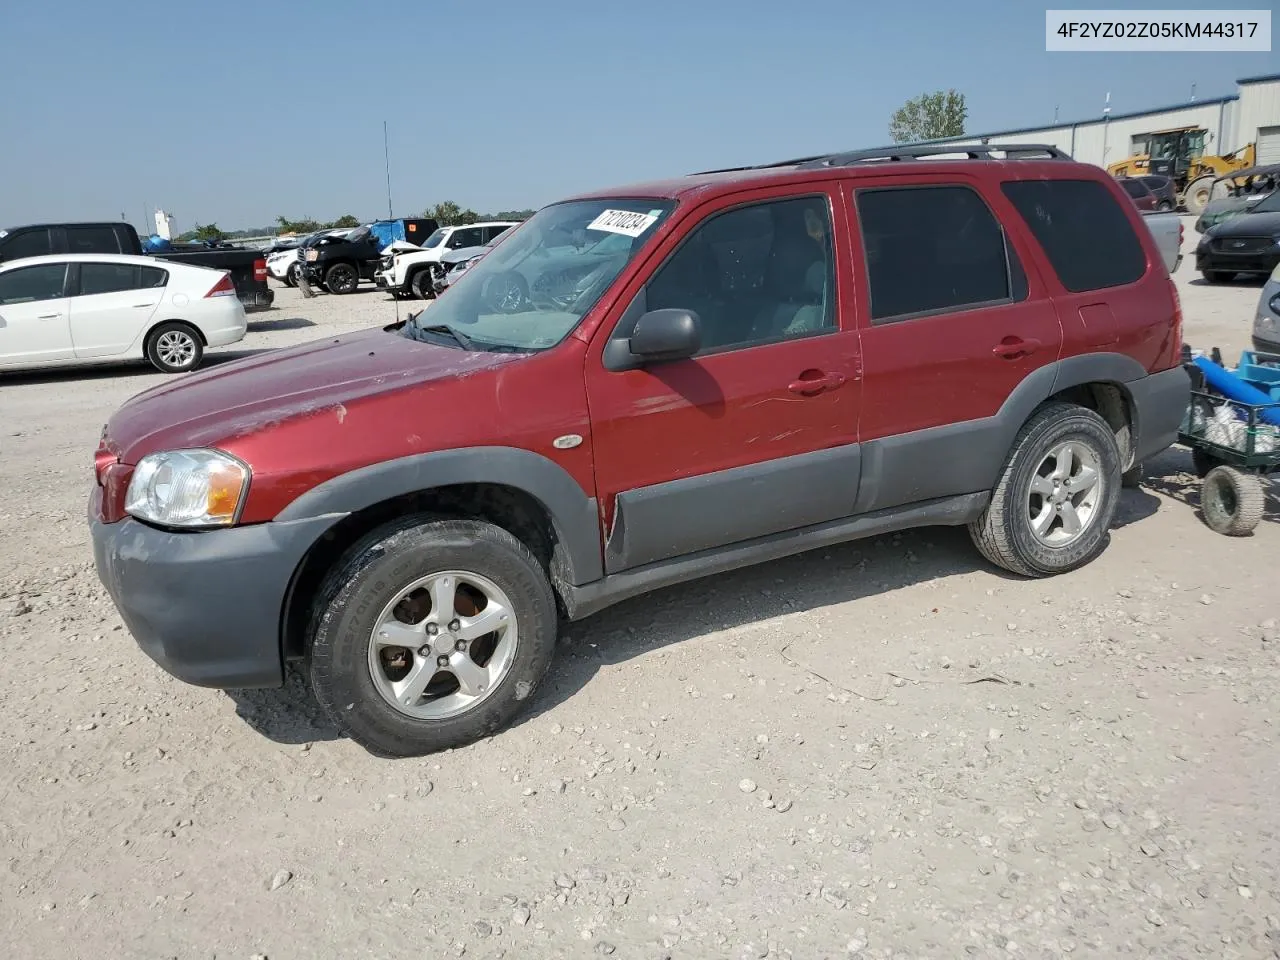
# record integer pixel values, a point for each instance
(670, 334)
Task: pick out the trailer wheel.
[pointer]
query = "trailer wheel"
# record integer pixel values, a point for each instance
(1232, 501)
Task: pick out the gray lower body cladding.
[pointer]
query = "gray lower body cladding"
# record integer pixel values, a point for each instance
(205, 606)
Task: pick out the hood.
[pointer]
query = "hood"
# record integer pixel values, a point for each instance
(464, 253)
(1250, 224)
(241, 397)
(404, 246)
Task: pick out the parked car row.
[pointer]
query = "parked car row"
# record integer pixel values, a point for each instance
(419, 271)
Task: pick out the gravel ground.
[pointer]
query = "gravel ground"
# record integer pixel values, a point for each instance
(887, 749)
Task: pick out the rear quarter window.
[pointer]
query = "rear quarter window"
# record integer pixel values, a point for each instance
(1083, 230)
(92, 240)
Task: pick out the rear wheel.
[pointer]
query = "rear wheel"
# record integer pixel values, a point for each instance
(1164, 206)
(433, 634)
(291, 275)
(174, 347)
(342, 278)
(1051, 509)
(1232, 501)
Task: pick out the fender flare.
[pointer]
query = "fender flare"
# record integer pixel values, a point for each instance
(574, 514)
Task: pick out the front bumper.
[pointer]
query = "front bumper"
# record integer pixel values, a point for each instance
(205, 606)
(1260, 261)
(1160, 403)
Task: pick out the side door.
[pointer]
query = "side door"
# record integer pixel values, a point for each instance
(757, 433)
(952, 324)
(111, 305)
(33, 314)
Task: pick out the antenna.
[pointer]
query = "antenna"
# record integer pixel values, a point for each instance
(386, 151)
(1193, 91)
(1055, 113)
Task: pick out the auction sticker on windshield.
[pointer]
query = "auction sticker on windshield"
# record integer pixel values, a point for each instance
(625, 222)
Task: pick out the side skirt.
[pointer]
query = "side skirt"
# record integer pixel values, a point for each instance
(583, 601)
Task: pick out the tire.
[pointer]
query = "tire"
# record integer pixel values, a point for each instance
(358, 595)
(1216, 276)
(1004, 533)
(174, 347)
(1232, 501)
(341, 278)
(422, 284)
(1164, 206)
(291, 275)
(1197, 195)
(1202, 462)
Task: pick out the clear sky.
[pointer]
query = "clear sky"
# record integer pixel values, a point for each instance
(235, 111)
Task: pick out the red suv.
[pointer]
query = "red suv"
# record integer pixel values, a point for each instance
(639, 387)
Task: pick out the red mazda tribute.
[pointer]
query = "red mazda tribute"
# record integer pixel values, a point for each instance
(639, 387)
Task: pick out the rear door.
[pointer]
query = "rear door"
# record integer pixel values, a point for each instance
(111, 306)
(951, 323)
(33, 314)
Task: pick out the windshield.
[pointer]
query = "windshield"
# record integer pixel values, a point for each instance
(534, 287)
(1269, 204)
(434, 240)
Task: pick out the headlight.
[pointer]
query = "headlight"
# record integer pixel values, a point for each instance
(187, 488)
(1274, 304)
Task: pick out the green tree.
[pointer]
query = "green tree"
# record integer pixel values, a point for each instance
(298, 226)
(446, 213)
(346, 221)
(930, 116)
(208, 231)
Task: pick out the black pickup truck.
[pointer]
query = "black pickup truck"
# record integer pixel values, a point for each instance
(340, 263)
(248, 268)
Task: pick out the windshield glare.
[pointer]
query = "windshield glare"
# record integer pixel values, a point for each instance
(531, 290)
(434, 240)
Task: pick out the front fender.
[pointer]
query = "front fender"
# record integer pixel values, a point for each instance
(573, 513)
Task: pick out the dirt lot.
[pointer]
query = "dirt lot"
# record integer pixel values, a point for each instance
(885, 750)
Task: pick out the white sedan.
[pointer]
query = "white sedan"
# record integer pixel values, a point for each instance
(78, 308)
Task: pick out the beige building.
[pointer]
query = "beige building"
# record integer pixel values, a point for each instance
(1251, 115)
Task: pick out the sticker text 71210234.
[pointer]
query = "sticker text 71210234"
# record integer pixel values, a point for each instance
(626, 222)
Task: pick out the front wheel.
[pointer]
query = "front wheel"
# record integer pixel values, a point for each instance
(423, 284)
(1051, 509)
(432, 635)
(342, 278)
(291, 275)
(174, 348)
(1232, 501)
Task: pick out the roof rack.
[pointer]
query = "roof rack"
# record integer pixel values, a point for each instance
(971, 151)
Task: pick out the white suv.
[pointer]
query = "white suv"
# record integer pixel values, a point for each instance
(407, 269)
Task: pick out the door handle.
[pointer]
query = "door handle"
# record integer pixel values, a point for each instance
(49, 316)
(808, 387)
(1013, 347)
(141, 306)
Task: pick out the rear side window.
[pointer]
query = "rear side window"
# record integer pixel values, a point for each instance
(98, 278)
(30, 243)
(152, 277)
(1134, 188)
(1083, 230)
(92, 240)
(934, 250)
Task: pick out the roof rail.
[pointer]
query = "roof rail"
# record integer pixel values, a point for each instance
(922, 151)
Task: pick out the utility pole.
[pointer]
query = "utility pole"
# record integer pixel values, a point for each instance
(386, 151)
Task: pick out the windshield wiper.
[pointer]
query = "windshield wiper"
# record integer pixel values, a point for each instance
(461, 339)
